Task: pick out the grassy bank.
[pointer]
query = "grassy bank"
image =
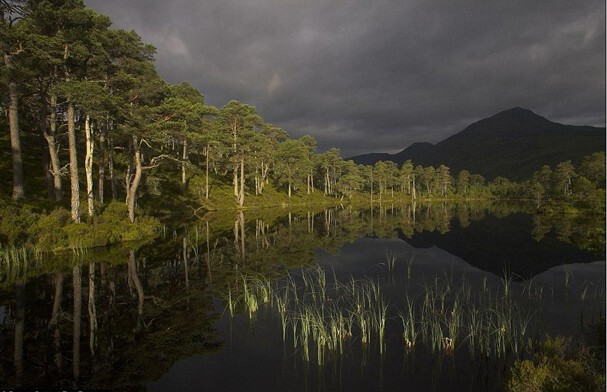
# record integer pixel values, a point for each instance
(55, 231)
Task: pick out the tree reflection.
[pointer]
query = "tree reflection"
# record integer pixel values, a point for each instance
(92, 308)
(585, 232)
(77, 320)
(53, 325)
(19, 332)
(168, 283)
(134, 281)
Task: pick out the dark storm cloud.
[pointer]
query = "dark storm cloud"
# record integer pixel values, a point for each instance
(378, 75)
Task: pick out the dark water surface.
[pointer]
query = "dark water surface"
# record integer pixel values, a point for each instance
(156, 316)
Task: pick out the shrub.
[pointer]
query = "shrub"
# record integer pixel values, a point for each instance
(143, 227)
(14, 223)
(82, 235)
(554, 367)
(56, 231)
(47, 232)
(115, 212)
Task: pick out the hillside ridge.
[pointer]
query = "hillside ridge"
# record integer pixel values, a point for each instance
(513, 143)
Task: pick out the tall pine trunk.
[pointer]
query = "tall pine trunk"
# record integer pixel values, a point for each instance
(265, 167)
(241, 190)
(184, 184)
(13, 124)
(46, 159)
(235, 180)
(110, 165)
(46, 169)
(101, 163)
(74, 186)
(88, 164)
(134, 184)
(49, 135)
(129, 173)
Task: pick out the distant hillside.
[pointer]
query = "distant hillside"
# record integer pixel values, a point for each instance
(370, 159)
(513, 144)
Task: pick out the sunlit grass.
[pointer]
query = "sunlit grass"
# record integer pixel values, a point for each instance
(14, 261)
(391, 259)
(321, 316)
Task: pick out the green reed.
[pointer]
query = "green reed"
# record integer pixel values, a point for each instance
(391, 262)
(14, 262)
(322, 316)
(408, 323)
(230, 301)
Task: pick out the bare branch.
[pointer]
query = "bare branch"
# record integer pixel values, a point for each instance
(156, 161)
(146, 143)
(62, 171)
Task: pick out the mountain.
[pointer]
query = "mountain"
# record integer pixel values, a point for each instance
(416, 151)
(512, 144)
(370, 159)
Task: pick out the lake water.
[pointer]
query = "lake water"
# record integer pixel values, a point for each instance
(434, 297)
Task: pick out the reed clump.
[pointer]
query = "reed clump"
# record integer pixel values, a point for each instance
(14, 261)
(17, 261)
(321, 316)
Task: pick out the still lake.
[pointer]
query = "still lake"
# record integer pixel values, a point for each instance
(418, 297)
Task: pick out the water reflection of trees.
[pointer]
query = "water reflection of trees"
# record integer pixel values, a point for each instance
(261, 241)
(146, 308)
(270, 243)
(135, 325)
(585, 232)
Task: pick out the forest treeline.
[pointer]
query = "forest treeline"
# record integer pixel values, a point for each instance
(87, 101)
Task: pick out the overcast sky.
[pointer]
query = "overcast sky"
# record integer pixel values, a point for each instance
(378, 75)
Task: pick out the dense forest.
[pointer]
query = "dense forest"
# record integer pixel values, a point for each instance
(91, 122)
